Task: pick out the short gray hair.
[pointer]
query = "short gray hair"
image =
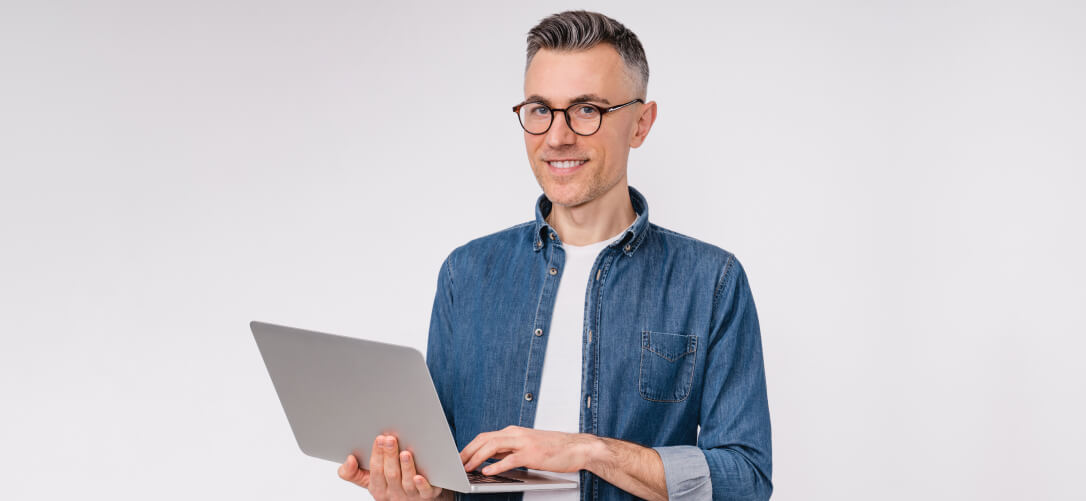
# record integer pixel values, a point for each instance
(582, 30)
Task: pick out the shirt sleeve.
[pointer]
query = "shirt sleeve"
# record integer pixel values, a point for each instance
(686, 472)
(439, 353)
(735, 429)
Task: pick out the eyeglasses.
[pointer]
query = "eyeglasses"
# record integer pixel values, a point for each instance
(584, 119)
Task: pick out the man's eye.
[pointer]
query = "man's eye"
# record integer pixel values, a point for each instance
(586, 111)
(539, 110)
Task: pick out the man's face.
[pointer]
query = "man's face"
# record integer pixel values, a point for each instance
(574, 169)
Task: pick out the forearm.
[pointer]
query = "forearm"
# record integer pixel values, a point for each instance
(635, 469)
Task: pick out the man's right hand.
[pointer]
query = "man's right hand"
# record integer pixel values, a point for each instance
(392, 475)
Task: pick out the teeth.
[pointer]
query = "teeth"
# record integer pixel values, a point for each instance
(568, 164)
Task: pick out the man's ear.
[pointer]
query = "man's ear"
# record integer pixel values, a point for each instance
(644, 124)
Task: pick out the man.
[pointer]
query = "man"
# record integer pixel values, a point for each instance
(590, 342)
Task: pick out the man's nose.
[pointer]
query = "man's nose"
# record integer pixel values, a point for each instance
(560, 133)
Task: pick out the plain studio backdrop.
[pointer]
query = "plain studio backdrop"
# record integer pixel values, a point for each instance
(903, 181)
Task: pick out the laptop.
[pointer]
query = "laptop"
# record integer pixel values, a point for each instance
(339, 393)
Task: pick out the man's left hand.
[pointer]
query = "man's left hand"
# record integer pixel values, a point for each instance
(537, 449)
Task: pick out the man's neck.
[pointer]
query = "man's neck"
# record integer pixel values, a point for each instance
(595, 220)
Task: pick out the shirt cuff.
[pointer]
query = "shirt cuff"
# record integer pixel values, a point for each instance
(686, 471)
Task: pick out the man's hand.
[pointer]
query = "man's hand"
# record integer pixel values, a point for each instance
(391, 476)
(630, 467)
(537, 449)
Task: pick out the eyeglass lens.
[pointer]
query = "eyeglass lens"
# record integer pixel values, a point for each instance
(537, 118)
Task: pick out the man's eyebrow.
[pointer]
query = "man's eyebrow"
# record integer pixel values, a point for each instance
(589, 97)
(536, 97)
(583, 98)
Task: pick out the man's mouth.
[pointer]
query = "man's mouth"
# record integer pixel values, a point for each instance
(565, 164)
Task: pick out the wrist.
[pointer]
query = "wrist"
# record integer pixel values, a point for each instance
(596, 453)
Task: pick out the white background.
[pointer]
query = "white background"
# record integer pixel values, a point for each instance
(903, 181)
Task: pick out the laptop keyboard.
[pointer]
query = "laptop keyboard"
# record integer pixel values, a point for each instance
(478, 478)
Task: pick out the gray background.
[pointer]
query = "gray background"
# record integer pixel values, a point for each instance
(904, 182)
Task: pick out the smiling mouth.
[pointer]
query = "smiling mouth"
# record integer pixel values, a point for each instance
(565, 164)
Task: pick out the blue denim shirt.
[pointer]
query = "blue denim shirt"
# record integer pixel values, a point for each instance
(670, 343)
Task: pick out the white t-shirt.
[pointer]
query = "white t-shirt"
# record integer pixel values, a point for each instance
(559, 397)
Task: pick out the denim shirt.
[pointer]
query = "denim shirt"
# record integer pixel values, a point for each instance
(670, 343)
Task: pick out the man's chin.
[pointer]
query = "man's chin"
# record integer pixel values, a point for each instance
(564, 198)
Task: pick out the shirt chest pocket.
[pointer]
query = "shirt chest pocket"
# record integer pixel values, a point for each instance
(667, 366)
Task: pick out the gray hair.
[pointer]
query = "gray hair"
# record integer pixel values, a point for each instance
(582, 30)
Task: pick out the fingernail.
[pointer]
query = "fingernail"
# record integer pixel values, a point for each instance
(487, 470)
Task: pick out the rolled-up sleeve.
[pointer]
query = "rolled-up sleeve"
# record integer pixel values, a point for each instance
(687, 473)
(735, 428)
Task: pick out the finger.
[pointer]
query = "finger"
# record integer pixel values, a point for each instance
(346, 469)
(496, 448)
(482, 438)
(392, 465)
(350, 472)
(407, 479)
(489, 449)
(474, 445)
(377, 466)
(426, 491)
(480, 441)
(511, 461)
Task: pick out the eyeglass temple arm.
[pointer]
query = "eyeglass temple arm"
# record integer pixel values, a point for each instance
(613, 108)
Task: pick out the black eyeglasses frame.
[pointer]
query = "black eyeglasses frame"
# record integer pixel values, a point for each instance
(603, 111)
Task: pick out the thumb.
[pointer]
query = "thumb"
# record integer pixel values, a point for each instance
(350, 472)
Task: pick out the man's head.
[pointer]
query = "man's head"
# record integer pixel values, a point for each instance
(580, 57)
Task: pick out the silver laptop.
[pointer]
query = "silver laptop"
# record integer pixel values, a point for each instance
(339, 393)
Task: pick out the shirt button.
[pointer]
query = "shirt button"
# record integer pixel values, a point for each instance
(552, 235)
(553, 271)
(539, 332)
(538, 243)
(528, 397)
(627, 247)
(590, 401)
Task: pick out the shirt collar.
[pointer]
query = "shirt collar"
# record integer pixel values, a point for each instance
(629, 242)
